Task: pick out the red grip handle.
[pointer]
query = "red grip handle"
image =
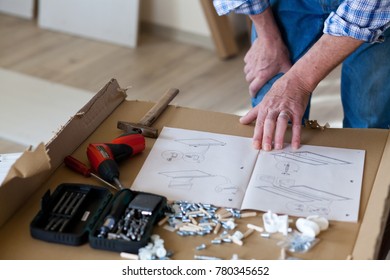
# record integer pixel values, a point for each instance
(77, 166)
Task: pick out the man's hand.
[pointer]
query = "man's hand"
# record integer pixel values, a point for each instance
(268, 56)
(288, 97)
(286, 101)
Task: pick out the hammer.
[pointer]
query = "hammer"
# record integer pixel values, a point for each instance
(144, 124)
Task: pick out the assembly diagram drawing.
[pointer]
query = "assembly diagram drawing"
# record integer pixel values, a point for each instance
(287, 167)
(309, 158)
(289, 163)
(300, 198)
(226, 171)
(194, 149)
(186, 179)
(201, 142)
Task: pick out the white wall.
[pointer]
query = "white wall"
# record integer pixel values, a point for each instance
(21, 8)
(182, 15)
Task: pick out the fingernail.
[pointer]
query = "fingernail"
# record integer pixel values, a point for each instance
(295, 145)
(267, 147)
(278, 146)
(257, 145)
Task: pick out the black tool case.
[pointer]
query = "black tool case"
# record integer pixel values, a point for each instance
(77, 213)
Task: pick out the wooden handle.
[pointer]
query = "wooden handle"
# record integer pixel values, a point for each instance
(160, 106)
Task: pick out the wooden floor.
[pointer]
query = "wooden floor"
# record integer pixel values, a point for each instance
(205, 82)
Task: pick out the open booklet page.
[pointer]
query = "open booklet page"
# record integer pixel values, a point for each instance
(312, 180)
(6, 162)
(199, 167)
(223, 169)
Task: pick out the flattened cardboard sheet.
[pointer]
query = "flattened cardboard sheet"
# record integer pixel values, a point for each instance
(377, 214)
(337, 243)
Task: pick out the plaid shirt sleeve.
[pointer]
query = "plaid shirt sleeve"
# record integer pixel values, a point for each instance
(249, 7)
(361, 19)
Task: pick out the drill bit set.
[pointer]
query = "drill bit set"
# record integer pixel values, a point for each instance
(75, 214)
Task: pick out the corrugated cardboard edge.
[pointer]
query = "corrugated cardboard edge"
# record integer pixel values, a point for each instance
(87, 119)
(31, 162)
(371, 231)
(14, 193)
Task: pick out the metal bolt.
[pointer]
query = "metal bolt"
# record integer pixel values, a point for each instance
(201, 247)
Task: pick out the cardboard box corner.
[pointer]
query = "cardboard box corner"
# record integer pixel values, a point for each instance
(20, 186)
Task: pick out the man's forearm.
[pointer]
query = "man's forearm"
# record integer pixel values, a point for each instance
(265, 25)
(325, 55)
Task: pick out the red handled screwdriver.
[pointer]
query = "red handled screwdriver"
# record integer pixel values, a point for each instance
(82, 169)
(104, 157)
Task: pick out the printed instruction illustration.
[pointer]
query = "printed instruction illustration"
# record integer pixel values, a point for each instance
(312, 180)
(225, 170)
(194, 150)
(199, 167)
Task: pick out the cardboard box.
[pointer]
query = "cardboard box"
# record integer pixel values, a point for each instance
(342, 240)
(34, 167)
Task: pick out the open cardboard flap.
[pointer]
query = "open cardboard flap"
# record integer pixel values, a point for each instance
(30, 163)
(32, 169)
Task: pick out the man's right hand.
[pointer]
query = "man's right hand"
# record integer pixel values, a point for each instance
(268, 55)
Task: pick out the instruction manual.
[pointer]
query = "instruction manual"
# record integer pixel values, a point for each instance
(226, 171)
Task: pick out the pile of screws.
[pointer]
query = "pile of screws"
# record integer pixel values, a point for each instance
(198, 219)
(297, 242)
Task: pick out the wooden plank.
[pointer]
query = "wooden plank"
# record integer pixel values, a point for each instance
(223, 35)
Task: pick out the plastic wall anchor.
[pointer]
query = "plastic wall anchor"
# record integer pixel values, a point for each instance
(283, 224)
(271, 222)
